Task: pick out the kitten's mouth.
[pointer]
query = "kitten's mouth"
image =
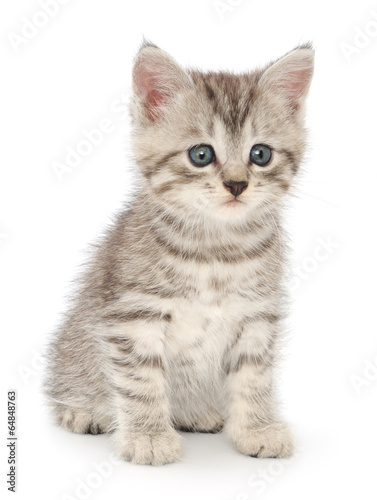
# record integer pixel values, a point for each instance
(233, 202)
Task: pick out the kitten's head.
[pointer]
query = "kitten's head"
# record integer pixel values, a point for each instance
(217, 144)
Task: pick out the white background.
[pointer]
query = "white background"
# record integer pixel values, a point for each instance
(69, 76)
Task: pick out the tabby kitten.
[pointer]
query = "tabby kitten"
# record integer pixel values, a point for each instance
(178, 317)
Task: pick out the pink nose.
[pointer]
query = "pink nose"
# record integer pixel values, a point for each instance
(235, 187)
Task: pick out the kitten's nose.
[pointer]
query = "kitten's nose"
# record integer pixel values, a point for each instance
(235, 187)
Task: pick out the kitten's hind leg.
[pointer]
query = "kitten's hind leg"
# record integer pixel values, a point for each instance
(210, 422)
(79, 421)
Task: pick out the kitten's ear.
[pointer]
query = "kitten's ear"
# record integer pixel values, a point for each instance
(290, 76)
(156, 79)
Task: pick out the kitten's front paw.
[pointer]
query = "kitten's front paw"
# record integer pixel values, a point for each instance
(273, 441)
(150, 449)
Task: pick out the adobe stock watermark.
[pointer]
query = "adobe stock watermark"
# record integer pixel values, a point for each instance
(267, 475)
(323, 250)
(31, 26)
(33, 370)
(3, 237)
(90, 139)
(225, 7)
(362, 37)
(367, 378)
(85, 488)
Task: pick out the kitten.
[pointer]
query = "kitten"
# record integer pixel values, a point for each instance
(177, 321)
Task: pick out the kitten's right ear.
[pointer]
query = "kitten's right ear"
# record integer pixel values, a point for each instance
(157, 78)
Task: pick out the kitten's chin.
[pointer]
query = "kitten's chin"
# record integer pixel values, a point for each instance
(232, 208)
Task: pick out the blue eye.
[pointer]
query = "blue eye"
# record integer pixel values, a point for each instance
(201, 155)
(260, 154)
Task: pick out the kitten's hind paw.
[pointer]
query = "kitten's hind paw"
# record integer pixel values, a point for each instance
(273, 441)
(209, 422)
(150, 449)
(79, 421)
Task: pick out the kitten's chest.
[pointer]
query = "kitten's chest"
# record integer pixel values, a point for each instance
(196, 341)
(205, 322)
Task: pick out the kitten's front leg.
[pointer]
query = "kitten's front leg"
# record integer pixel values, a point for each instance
(253, 423)
(144, 434)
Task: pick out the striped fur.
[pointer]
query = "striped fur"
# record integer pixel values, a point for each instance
(178, 317)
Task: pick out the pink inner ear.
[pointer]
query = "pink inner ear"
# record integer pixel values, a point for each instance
(297, 83)
(154, 99)
(148, 82)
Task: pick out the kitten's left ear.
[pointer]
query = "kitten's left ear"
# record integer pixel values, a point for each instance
(157, 78)
(290, 76)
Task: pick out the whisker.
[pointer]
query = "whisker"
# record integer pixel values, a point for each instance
(314, 197)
